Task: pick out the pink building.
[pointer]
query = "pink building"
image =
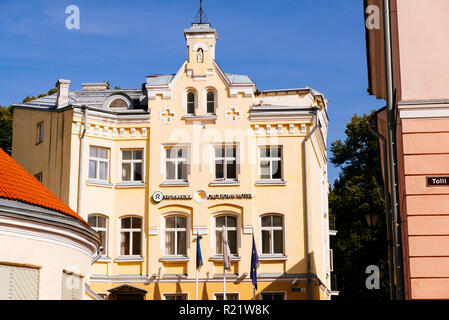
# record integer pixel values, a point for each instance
(408, 66)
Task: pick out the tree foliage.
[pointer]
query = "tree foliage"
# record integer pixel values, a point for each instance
(358, 192)
(6, 115)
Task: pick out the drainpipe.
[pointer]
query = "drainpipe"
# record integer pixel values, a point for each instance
(309, 266)
(387, 206)
(80, 176)
(396, 223)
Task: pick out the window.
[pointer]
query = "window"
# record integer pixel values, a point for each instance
(176, 163)
(131, 235)
(272, 235)
(229, 296)
(72, 286)
(132, 161)
(190, 103)
(38, 177)
(273, 296)
(18, 283)
(210, 102)
(118, 104)
(176, 236)
(40, 132)
(178, 296)
(98, 163)
(100, 224)
(270, 163)
(226, 163)
(231, 226)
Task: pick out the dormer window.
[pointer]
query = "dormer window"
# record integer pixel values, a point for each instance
(191, 103)
(200, 55)
(210, 102)
(118, 104)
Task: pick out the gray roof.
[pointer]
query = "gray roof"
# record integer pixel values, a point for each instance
(160, 80)
(93, 99)
(239, 79)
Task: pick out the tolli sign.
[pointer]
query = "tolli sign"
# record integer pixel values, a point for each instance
(437, 181)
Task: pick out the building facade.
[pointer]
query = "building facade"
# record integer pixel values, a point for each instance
(408, 67)
(185, 156)
(46, 249)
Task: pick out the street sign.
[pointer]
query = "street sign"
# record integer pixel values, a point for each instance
(437, 181)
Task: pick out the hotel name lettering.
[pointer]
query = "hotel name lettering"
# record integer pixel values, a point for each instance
(210, 196)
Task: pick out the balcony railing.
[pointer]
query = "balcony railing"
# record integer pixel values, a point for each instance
(334, 282)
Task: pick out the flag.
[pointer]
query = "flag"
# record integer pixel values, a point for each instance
(254, 263)
(199, 258)
(226, 251)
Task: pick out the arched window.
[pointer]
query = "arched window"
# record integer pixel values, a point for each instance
(231, 227)
(211, 102)
(272, 234)
(176, 236)
(118, 103)
(100, 224)
(190, 103)
(131, 236)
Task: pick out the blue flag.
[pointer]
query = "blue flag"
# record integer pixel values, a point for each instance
(199, 258)
(254, 264)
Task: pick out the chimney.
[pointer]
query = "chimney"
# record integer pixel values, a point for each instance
(94, 86)
(62, 87)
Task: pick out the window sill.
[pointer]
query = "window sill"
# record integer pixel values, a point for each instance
(129, 259)
(192, 117)
(221, 183)
(130, 184)
(271, 183)
(99, 183)
(174, 184)
(174, 259)
(104, 259)
(273, 257)
(219, 258)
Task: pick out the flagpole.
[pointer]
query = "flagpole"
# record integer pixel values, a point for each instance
(225, 239)
(196, 286)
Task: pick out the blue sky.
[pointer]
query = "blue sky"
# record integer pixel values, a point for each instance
(279, 44)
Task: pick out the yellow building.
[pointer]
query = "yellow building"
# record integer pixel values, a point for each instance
(189, 153)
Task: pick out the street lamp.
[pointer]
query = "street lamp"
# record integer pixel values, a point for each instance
(371, 220)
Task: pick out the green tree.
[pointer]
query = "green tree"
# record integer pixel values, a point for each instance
(6, 114)
(358, 192)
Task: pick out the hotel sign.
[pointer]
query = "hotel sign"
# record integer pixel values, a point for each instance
(200, 195)
(437, 181)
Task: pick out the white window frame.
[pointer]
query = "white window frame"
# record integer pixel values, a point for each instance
(284, 294)
(186, 294)
(206, 100)
(132, 162)
(131, 230)
(98, 160)
(271, 160)
(227, 293)
(271, 229)
(236, 228)
(195, 97)
(175, 230)
(176, 161)
(40, 132)
(105, 229)
(225, 159)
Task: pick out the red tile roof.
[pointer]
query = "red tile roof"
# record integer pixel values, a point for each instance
(17, 184)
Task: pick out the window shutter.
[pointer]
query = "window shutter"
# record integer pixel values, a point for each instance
(72, 287)
(19, 283)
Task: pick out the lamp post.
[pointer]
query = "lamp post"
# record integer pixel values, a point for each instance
(371, 220)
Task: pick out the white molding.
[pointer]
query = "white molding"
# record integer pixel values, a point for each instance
(153, 231)
(247, 229)
(200, 230)
(52, 234)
